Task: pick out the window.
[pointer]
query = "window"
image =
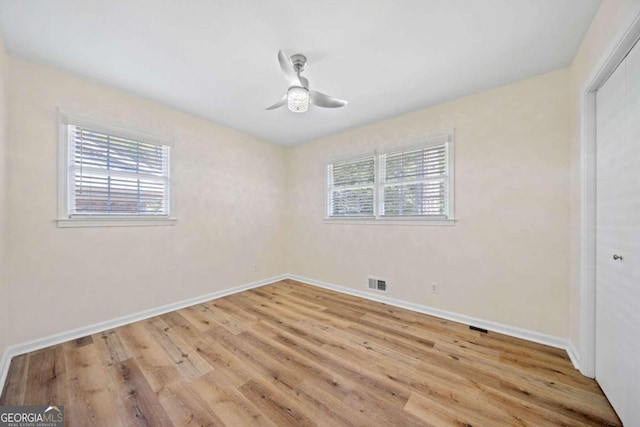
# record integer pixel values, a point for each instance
(112, 176)
(414, 182)
(351, 188)
(411, 182)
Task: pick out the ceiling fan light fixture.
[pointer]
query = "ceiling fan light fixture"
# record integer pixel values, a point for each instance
(298, 99)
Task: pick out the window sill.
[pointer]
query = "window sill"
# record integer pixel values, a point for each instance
(390, 221)
(114, 222)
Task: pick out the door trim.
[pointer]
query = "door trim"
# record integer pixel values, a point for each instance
(611, 58)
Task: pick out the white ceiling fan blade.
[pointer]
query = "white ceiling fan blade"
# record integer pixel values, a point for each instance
(305, 82)
(326, 101)
(287, 69)
(278, 104)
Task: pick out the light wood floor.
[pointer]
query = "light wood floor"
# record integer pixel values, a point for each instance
(290, 354)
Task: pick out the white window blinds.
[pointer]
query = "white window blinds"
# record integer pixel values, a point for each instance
(414, 182)
(406, 184)
(351, 187)
(113, 175)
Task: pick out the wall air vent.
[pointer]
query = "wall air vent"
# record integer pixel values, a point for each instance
(377, 284)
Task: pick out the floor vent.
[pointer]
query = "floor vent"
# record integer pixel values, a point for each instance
(377, 284)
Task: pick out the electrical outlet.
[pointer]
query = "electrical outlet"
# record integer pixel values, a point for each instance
(434, 287)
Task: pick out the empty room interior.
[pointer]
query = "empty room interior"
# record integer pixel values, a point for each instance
(303, 213)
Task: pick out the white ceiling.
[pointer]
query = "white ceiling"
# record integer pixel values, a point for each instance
(217, 59)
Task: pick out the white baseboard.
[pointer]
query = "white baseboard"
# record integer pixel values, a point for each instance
(37, 344)
(525, 334)
(5, 361)
(18, 349)
(574, 355)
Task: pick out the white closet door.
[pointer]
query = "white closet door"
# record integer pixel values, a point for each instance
(618, 235)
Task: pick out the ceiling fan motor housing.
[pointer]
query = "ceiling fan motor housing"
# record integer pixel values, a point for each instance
(298, 61)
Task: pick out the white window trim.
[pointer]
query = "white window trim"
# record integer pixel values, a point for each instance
(413, 221)
(422, 142)
(64, 220)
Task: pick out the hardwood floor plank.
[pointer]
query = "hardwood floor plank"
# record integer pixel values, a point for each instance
(110, 344)
(140, 402)
(438, 415)
(225, 363)
(569, 405)
(344, 387)
(274, 406)
(531, 414)
(185, 406)
(46, 377)
(229, 322)
(267, 317)
(196, 319)
(402, 342)
(186, 359)
(291, 354)
(154, 362)
(229, 403)
(181, 326)
(16, 384)
(438, 334)
(296, 312)
(90, 399)
(365, 346)
(234, 311)
(315, 381)
(81, 342)
(453, 392)
(296, 388)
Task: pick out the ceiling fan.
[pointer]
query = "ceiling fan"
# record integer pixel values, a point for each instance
(298, 96)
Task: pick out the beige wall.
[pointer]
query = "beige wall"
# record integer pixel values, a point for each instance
(230, 191)
(506, 259)
(4, 285)
(613, 17)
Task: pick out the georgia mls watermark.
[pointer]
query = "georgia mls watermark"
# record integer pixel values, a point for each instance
(31, 416)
